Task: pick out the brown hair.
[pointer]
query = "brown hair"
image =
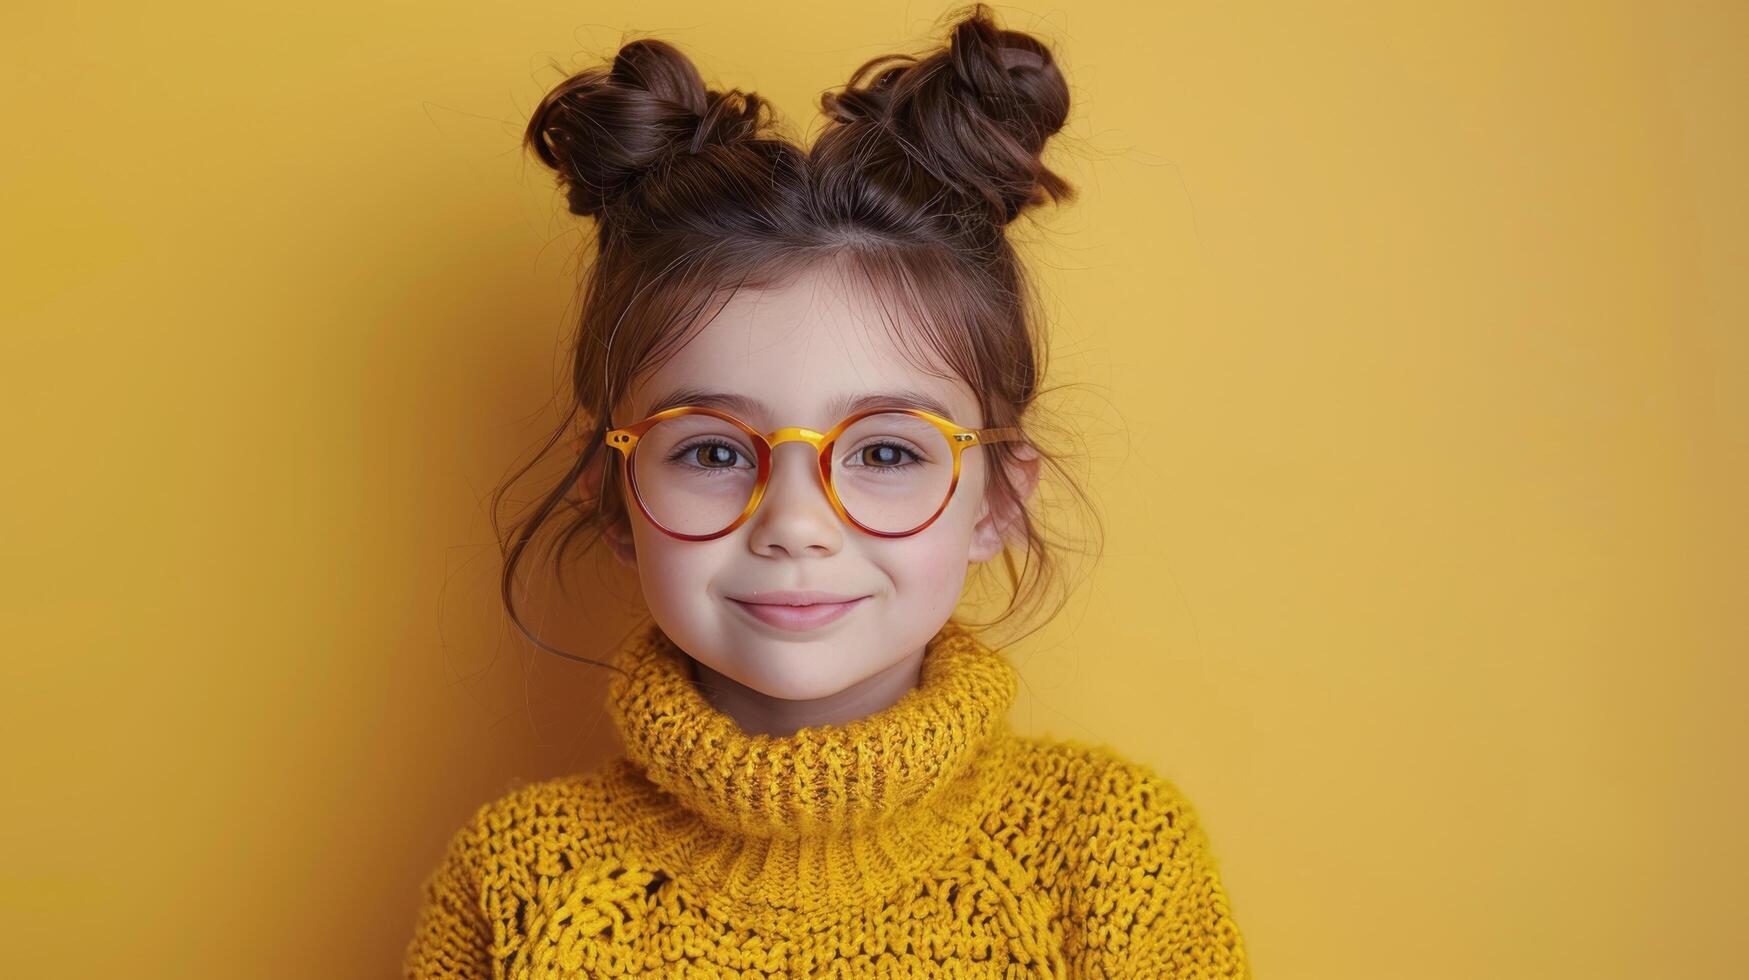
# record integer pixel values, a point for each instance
(908, 190)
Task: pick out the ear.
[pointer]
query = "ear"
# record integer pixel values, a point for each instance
(1001, 520)
(618, 533)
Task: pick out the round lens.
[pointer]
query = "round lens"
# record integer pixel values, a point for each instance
(695, 473)
(892, 471)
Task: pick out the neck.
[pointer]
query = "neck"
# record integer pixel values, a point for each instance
(758, 713)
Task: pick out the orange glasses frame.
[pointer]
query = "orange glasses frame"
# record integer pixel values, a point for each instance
(959, 437)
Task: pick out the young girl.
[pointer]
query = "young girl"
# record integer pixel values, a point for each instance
(803, 378)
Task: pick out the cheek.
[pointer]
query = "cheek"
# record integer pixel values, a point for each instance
(931, 566)
(669, 570)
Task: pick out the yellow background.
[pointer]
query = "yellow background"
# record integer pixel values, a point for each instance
(1416, 336)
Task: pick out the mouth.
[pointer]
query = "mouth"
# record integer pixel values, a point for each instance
(799, 611)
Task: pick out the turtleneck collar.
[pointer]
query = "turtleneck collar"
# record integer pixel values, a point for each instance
(775, 819)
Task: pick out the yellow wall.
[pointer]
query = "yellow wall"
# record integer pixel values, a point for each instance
(1415, 337)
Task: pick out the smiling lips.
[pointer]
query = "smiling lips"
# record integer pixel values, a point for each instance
(797, 610)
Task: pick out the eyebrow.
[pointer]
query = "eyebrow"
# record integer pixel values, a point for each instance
(840, 407)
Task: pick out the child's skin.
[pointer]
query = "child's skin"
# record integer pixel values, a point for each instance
(796, 349)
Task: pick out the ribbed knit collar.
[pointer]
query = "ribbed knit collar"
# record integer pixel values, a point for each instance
(848, 809)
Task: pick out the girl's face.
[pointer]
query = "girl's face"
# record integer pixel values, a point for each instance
(795, 350)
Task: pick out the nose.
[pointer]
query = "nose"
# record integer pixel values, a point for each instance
(795, 518)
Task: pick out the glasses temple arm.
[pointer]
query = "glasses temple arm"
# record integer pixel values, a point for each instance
(1000, 434)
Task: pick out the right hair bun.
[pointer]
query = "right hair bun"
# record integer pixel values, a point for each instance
(605, 128)
(975, 115)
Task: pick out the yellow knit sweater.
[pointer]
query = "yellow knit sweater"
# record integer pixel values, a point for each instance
(926, 839)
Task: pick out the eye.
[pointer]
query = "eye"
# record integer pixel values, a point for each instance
(706, 454)
(884, 455)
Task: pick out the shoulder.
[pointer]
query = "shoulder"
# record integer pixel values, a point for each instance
(1091, 784)
(575, 796)
(1131, 866)
(1092, 807)
(479, 893)
(531, 824)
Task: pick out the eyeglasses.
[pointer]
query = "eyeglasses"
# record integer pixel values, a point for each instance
(698, 473)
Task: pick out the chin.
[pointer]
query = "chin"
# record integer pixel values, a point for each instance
(798, 686)
(799, 694)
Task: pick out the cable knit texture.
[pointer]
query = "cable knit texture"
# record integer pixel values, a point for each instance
(926, 839)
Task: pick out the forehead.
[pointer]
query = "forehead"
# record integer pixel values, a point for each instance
(801, 353)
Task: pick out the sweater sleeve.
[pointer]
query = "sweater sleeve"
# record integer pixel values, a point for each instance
(1149, 901)
(452, 939)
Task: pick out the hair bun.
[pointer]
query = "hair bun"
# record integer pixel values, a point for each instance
(974, 115)
(605, 128)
